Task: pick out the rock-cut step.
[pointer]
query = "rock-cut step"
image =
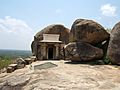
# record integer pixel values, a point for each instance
(45, 65)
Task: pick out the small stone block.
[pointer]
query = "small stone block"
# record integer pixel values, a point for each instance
(10, 69)
(28, 61)
(14, 66)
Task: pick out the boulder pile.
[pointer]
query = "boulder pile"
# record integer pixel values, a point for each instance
(88, 41)
(20, 63)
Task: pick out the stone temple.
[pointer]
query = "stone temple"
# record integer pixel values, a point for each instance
(49, 42)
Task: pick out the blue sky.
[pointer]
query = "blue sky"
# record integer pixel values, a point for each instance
(21, 19)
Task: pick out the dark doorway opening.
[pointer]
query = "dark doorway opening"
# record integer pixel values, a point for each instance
(50, 53)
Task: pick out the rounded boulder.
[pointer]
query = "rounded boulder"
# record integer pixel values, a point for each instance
(88, 31)
(114, 45)
(81, 51)
(55, 29)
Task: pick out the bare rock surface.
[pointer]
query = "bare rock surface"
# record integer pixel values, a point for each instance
(44, 66)
(66, 76)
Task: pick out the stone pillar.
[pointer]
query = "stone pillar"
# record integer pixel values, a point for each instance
(62, 46)
(57, 51)
(62, 51)
(43, 51)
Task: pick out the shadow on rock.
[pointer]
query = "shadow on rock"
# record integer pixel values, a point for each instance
(95, 62)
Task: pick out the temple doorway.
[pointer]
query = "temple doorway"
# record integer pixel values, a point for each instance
(50, 53)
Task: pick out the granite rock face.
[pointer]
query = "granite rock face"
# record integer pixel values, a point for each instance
(55, 29)
(81, 51)
(65, 76)
(114, 45)
(51, 29)
(91, 40)
(88, 31)
(15, 82)
(83, 32)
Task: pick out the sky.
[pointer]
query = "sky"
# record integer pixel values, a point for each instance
(20, 20)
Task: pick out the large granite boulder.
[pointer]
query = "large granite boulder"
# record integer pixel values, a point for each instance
(114, 45)
(51, 29)
(55, 29)
(88, 31)
(81, 51)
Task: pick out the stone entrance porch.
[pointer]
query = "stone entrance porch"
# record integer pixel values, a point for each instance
(49, 47)
(50, 50)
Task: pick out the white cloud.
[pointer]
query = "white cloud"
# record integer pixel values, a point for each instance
(108, 10)
(15, 33)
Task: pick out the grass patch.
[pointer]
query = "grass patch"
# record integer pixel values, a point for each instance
(5, 61)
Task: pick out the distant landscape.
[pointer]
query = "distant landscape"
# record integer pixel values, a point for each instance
(8, 56)
(15, 53)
